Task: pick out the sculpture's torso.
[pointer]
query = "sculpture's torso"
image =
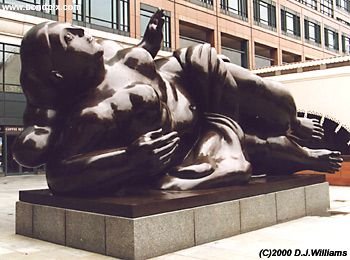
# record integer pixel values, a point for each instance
(136, 98)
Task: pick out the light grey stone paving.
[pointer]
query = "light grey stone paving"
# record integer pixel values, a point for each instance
(330, 232)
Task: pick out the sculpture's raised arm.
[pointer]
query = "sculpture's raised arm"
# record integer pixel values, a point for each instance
(153, 35)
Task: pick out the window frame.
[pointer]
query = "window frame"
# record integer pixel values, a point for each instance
(309, 3)
(295, 17)
(271, 23)
(317, 39)
(343, 5)
(326, 7)
(120, 17)
(4, 83)
(330, 31)
(345, 39)
(241, 12)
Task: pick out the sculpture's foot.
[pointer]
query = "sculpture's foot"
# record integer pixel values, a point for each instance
(307, 129)
(324, 160)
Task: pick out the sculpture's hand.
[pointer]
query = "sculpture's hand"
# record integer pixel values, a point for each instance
(153, 35)
(154, 150)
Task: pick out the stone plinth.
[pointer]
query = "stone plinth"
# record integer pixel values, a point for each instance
(140, 225)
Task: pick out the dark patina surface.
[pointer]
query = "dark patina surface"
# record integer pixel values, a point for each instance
(103, 118)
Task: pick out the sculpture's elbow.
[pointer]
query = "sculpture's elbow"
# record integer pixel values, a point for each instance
(28, 154)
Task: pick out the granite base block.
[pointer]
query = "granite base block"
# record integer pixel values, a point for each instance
(86, 231)
(24, 218)
(49, 224)
(146, 237)
(317, 199)
(157, 234)
(290, 204)
(216, 221)
(258, 212)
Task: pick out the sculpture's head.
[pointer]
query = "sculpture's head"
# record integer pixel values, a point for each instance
(57, 60)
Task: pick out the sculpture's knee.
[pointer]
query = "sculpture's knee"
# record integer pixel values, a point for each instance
(243, 171)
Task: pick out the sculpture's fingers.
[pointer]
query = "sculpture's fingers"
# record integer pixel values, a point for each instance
(166, 158)
(163, 140)
(154, 134)
(168, 147)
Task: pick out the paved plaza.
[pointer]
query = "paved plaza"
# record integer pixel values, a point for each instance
(325, 234)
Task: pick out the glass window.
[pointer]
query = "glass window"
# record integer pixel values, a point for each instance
(346, 44)
(236, 49)
(331, 39)
(235, 7)
(123, 15)
(290, 22)
(327, 7)
(12, 69)
(265, 13)
(264, 17)
(146, 14)
(344, 22)
(261, 62)
(264, 56)
(100, 13)
(205, 3)
(344, 4)
(312, 31)
(78, 12)
(191, 34)
(107, 15)
(309, 3)
(1, 66)
(288, 57)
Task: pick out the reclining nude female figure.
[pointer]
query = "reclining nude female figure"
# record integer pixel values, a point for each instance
(102, 117)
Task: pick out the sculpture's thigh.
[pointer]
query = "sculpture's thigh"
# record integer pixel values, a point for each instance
(217, 159)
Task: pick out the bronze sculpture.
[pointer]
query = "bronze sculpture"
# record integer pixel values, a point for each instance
(102, 117)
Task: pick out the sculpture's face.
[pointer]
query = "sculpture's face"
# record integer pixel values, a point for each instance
(72, 50)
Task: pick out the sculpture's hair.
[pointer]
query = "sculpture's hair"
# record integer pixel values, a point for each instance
(36, 66)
